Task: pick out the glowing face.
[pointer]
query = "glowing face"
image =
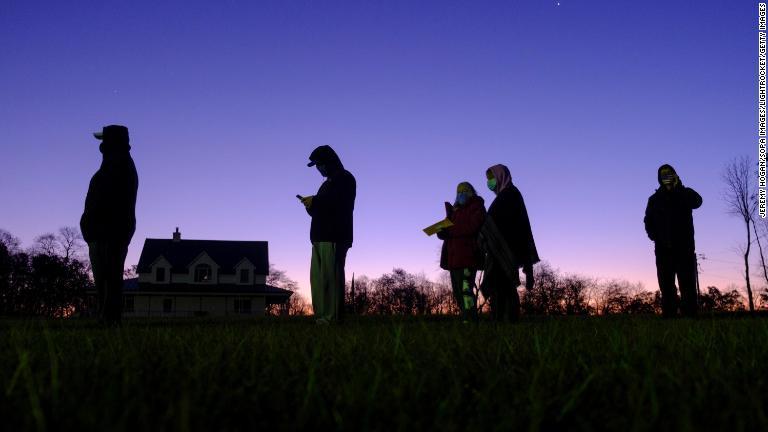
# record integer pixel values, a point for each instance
(668, 177)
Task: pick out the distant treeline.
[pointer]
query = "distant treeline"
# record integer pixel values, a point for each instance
(554, 293)
(51, 278)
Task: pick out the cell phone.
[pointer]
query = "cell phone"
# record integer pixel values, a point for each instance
(299, 197)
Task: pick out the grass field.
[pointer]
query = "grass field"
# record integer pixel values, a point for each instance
(606, 373)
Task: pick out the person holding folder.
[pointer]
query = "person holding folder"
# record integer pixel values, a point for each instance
(461, 255)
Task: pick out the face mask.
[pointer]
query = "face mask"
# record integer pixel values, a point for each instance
(492, 184)
(668, 179)
(461, 198)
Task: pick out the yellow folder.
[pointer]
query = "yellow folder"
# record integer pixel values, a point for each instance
(434, 228)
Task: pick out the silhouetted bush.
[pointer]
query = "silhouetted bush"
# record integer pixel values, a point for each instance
(41, 283)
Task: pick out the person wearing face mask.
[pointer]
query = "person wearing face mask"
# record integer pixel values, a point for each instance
(669, 224)
(509, 242)
(461, 255)
(330, 233)
(109, 220)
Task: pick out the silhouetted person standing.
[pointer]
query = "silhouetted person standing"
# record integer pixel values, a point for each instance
(669, 223)
(509, 240)
(460, 254)
(109, 219)
(331, 233)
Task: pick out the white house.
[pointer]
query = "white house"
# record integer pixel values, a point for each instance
(178, 278)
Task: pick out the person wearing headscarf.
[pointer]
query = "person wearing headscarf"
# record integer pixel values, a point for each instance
(508, 239)
(109, 219)
(669, 224)
(331, 210)
(461, 255)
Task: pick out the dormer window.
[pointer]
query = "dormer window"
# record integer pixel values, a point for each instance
(203, 273)
(160, 274)
(244, 273)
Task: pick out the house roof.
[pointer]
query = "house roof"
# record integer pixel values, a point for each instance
(226, 253)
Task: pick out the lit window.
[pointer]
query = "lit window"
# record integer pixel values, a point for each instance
(203, 273)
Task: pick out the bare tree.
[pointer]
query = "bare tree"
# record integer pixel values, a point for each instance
(279, 278)
(296, 304)
(741, 202)
(45, 244)
(763, 299)
(615, 297)
(11, 242)
(70, 241)
(360, 303)
(67, 244)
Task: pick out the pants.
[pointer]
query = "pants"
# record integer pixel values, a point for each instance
(502, 295)
(107, 263)
(680, 262)
(326, 277)
(463, 283)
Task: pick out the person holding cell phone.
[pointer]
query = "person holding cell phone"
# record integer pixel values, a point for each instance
(331, 209)
(669, 224)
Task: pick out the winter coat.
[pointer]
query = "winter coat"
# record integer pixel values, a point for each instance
(510, 216)
(460, 249)
(333, 205)
(669, 216)
(110, 205)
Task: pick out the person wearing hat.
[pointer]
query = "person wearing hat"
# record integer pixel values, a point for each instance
(669, 224)
(109, 219)
(330, 233)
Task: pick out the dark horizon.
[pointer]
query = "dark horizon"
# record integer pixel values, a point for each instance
(224, 103)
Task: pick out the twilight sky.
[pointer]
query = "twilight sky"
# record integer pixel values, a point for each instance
(224, 100)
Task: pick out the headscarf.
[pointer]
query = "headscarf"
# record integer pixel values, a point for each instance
(503, 177)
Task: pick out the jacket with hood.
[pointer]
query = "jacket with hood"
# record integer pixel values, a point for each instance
(460, 248)
(110, 205)
(669, 215)
(334, 203)
(511, 217)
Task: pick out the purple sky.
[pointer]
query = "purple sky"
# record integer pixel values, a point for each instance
(226, 99)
